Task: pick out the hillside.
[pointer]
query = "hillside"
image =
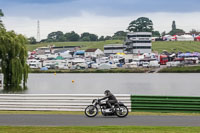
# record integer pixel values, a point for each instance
(157, 46)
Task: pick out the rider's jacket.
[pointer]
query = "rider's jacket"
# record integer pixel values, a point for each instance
(110, 96)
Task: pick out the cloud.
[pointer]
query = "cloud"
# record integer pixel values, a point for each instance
(100, 25)
(65, 8)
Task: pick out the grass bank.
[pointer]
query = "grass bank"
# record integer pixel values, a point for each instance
(186, 69)
(99, 129)
(83, 45)
(171, 46)
(122, 70)
(176, 46)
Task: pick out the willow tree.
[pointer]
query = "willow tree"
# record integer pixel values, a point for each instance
(1, 15)
(13, 56)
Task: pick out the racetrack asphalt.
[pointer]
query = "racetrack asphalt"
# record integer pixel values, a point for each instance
(81, 120)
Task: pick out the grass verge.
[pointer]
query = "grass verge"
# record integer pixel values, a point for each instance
(186, 69)
(100, 129)
(82, 113)
(118, 70)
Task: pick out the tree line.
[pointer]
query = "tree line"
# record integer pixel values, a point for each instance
(59, 36)
(142, 24)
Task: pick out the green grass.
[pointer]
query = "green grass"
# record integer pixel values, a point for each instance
(175, 46)
(171, 46)
(186, 69)
(82, 113)
(99, 129)
(84, 45)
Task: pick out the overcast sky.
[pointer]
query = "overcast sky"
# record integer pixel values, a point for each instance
(102, 17)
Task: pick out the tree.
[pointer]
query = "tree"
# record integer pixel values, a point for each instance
(142, 24)
(32, 40)
(1, 15)
(101, 38)
(194, 31)
(93, 37)
(13, 55)
(177, 31)
(72, 36)
(119, 35)
(163, 33)
(155, 33)
(86, 36)
(108, 38)
(56, 37)
(174, 25)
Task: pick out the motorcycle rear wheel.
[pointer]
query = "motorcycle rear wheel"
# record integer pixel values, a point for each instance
(122, 111)
(91, 111)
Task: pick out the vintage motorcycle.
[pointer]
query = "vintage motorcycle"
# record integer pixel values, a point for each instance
(119, 109)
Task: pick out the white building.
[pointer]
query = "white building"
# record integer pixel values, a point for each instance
(138, 42)
(111, 49)
(93, 52)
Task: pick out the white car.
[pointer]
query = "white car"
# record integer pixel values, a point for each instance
(94, 65)
(145, 64)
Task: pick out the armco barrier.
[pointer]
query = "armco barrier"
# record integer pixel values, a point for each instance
(165, 103)
(52, 102)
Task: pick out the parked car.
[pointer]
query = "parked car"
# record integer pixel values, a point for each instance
(146, 64)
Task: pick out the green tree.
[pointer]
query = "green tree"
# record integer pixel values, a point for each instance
(142, 24)
(119, 35)
(176, 31)
(32, 40)
(108, 38)
(57, 36)
(174, 25)
(93, 37)
(163, 33)
(72, 36)
(194, 31)
(101, 38)
(13, 55)
(86, 36)
(155, 33)
(1, 15)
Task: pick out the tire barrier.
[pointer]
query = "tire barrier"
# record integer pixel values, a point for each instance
(165, 104)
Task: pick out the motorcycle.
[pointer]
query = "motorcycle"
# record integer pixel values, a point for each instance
(119, 109)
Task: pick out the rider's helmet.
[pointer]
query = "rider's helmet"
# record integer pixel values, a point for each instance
(106, 92)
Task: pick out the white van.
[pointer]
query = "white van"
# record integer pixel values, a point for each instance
(154, 63)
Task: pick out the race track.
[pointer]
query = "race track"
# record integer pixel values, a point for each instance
(81, 120)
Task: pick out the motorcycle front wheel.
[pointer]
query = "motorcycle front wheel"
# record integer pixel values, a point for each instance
(122, 111)
(91, 111)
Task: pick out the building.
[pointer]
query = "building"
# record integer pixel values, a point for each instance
(93, 52)
(113, 49)
(138, 43)
(60, 49)
(43, 50)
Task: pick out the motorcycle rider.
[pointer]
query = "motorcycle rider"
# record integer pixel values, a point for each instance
(111, 99)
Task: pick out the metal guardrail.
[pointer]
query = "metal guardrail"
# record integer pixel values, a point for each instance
(165, 103)
(53, 102)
